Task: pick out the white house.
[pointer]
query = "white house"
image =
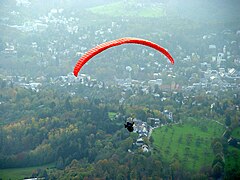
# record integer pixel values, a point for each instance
(145, 148)
(139, 142)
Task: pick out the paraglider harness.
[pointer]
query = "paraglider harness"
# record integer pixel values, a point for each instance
(129, 126)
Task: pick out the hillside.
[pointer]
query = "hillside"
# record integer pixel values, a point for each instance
(189, 143)
(131, 8)
(54, 125)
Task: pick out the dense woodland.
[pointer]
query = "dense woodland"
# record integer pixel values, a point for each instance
(77, 135)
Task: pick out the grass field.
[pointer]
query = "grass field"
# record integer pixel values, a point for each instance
(111, 115)
(190, 143)
(130, 8)
(236, 133)
(232, 159)
(20, 173)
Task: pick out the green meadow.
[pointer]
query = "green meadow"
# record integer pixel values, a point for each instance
(232, 159)
(111, 115)
(236, 133)
(233, 156)
(190, 143)
(130, 8)
(20, 173)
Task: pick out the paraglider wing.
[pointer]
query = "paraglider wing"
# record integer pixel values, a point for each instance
(98, 49)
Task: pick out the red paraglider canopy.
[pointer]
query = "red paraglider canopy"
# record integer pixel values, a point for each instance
(98, 49)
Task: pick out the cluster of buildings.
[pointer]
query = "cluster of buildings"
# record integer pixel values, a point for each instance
(144, 129)
(220, 68)
(212, 73)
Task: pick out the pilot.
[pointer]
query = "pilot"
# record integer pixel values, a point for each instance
(129, 126)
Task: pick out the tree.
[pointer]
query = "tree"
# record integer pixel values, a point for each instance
(217, 147)
(198, 142)
(68, 105)
(60, 163)
(218, 159)
(228, 120)
(127, 143)
(44, 174)
(156, 89)
(175, 165)
(217, 170)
